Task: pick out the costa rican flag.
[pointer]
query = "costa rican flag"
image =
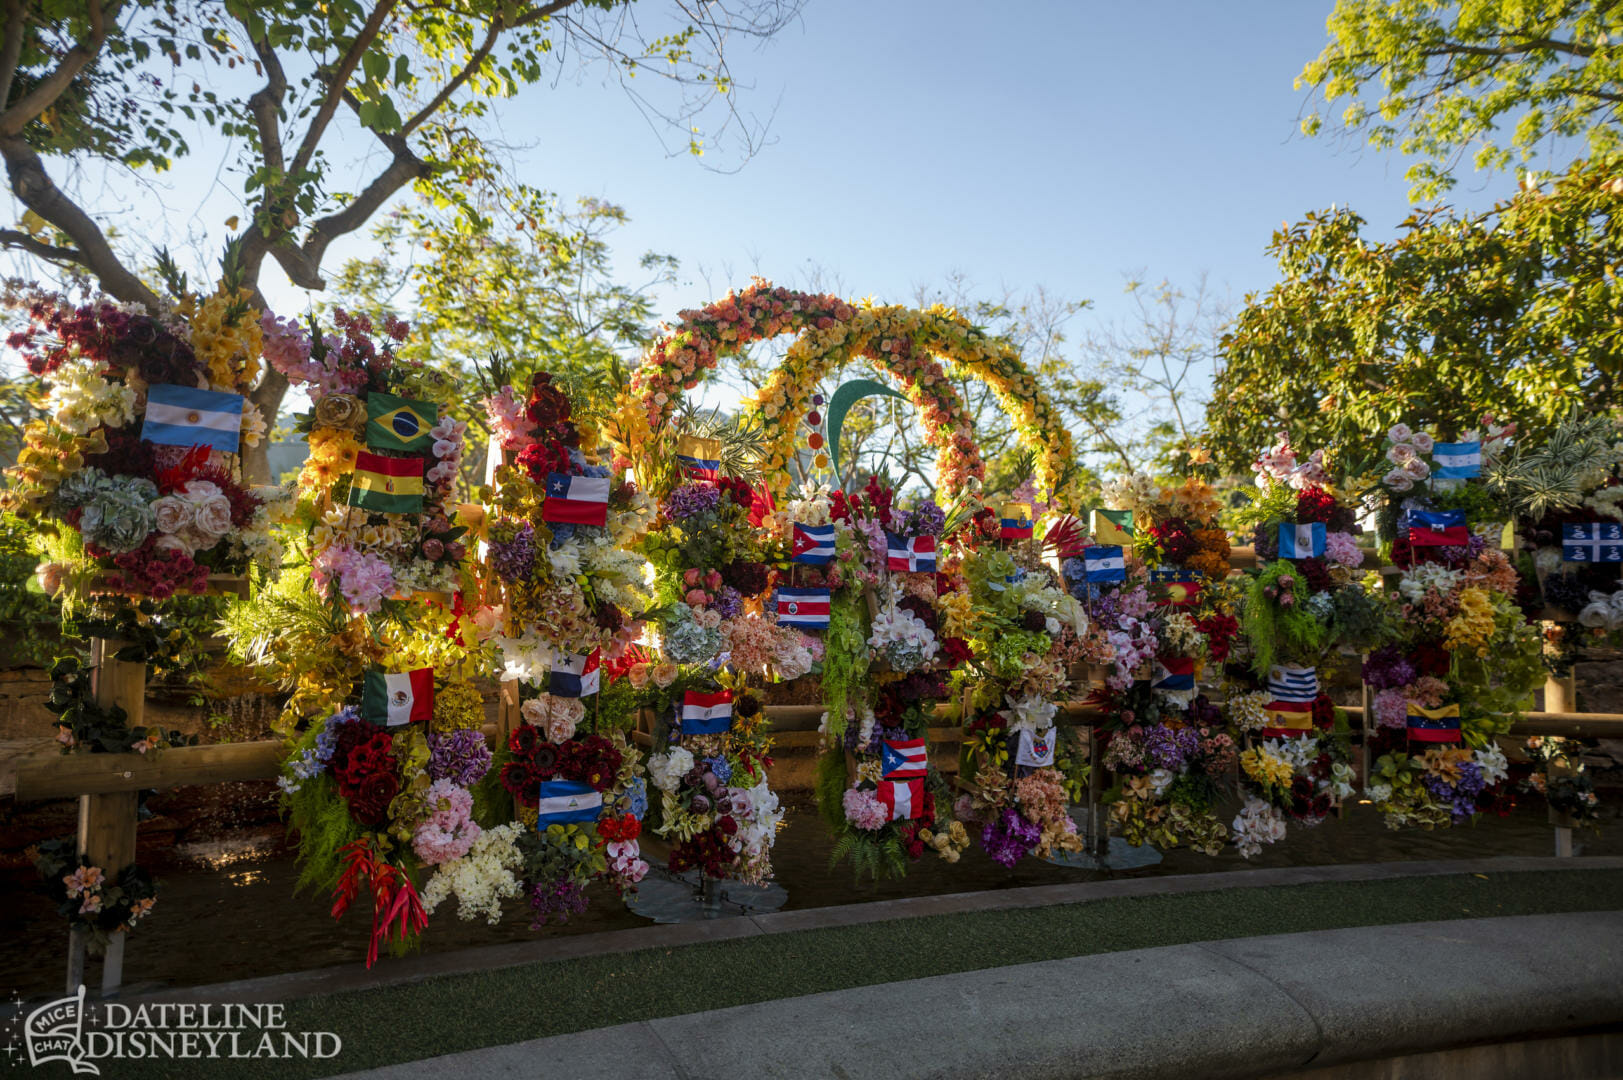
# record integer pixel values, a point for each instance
(1597, 541)
(1438, 528)
(1174, 674)
(904, 759)
(707, 714)
(904, 798)
(576, 500)
(1439, 725)
(1016, 523)
(574, 675)
(1296, 685)
(1104, 563)
(1456, 460)
(807, 608)
(567, 802)
(1301, 541)
(914, 554)
(813, 544)
(700, 458)
(1036, 751)
(399, 699)
(186, 416)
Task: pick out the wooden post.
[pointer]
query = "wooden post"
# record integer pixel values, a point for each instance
(1561, 694)
(1365, 721)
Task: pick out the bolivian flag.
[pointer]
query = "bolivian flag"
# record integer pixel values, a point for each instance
(389, 485)
(1111, 527)
(397, 423)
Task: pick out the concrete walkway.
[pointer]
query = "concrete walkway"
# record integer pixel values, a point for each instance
(1247, 1007)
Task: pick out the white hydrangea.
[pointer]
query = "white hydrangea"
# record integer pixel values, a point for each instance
(1258, 823)
(482, 878)
(666, 770)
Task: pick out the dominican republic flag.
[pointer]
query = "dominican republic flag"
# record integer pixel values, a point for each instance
(1597, 541)
(1440, 725)
(1104, 563)
(911, 554)
(576, 500)
(904, 798)
(1174, 674)
(700, 458)
(1111, 527)
(1036, 751)
(185, 416)
(1296, 685)
(707, 714)
(813, 545)
(399, 423)
(1175, 585)
(1456, 460)
(904, 759)
(1016, 523)
(397, 700)
(805, 608)
(389, 485)
(574, 675)
(1438, 528)
(567, 802)
(1301, 541)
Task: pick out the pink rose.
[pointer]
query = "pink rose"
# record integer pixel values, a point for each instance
(690, 577)
(698, 597)
(172, 513)
(638, 674)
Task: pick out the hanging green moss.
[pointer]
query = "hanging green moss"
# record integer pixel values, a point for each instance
(830, 786)
(1293, 633)
(320, 817)
(845, 656)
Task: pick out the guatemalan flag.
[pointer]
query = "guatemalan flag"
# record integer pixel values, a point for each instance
(903, 759)
(805, 608)
(1301, 541)
(904, 798)
(397, 700)
(186, 416)
(1456, 460)
(1104, 562)
(574, 675)
(576, 500)
(813, 545)
(1016, 523)
(1440, 725)
(1438, 528)
(707, 714)
(1174, 674)
(567, 802)
(700, 458)
(1596, 541)
(914, 554)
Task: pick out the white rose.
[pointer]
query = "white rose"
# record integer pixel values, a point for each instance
(173, 514)
(533, 711)
(1422, 442)
(1399, 433)
(1400, 453)
(214, 516)
(1416, 469)
(1397, 480)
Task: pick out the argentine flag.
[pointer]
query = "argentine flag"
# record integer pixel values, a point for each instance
(186, 416)
(1456, 460)
(1301, 541)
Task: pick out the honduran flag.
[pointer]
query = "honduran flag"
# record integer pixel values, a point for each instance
(707, 714)
(700, 458)
(1439, 725)
(1104, 562)
(574, 675)
(806, 608)
(1438, 528)
(1301, 541)
(1296, 685)
(903, 759)
(1596, 541)
(1456, 460)
(186, 416)
(397, 700)
(915, 554)
(813, 545)
(389, 485)
(1174, 674)
(1036, 751)
(567, 802)
(904, 798)
(1111, 527)
(1016, 523)
(576, 500)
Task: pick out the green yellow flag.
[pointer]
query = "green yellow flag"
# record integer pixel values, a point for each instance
(397, 423)
(1112, 527)
(387, 485)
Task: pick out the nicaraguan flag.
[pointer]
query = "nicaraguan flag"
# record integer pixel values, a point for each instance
(1104, 562)
(707, 714)
(1289, 683)
(574, 675)
(805, 608)
(567, 802)
(397, 700)
(1016, 523)
(185, 416)
(1301, 541)
(813, 545)
(1111, 527)
(389, 485)
(576, 500)
(1174, 674)
(1456, 460)
(904, 798)
(700, 458)
(398, 423)
(914, 554)
(903, 759)
(1439, 725)
(1596, 541)
(1036, 751)
(1438, 528)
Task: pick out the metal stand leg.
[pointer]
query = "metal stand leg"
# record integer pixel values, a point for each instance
(1563, 843)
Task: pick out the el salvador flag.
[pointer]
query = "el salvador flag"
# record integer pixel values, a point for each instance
(1301, 541)
(186, 416)
(813, 544)
(573, 675)
(1104, 562)
(1456, 460)
(567, 802)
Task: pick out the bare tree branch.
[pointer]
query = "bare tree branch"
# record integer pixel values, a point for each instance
(338, 83)
(12, 49)
(12, 238)
(43, 96)
(266, 105)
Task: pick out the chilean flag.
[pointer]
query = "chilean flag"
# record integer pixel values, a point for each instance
(803, 607)
(1438, 528)
(1016, 523)
(904, 759)
(904, 798)
(576, 500)
(707, 714)
(573, 675)
(813, 544)
(910, 555)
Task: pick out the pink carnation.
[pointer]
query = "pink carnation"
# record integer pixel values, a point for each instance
(864, 810)
(1343, 550)
(450, 830)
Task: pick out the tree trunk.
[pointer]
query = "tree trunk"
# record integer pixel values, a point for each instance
(268, 396)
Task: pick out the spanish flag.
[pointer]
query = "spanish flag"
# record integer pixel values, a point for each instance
(1288, 718)
(1112, 527)
(388, 485)
(397, 423)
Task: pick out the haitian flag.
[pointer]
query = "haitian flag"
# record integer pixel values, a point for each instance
(397, 423)
(389, 485)
(903, 759)
(1104, 563)
(699, 458)
(803, 607)
(1301, 541)
(1438, 528)
(186, 416)
(707, 714)
(397, 700)
(1036, 751)
(1174, 674)
(1597, 541)
(1111, 527)
(910, 555)
(567, 802)
(576, 500)
(813, 545)
(573, 675)
(1016, 523)
(1456, 460)
(904, 798)
(1439, 725)
(1175, 585)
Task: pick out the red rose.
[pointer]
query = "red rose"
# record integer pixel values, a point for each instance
(370, 803)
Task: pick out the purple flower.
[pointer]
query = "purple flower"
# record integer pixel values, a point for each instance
(1387, 668)
(560, 898)
(691, 499)
(729, 602)
(927, 519)
(460, 757)
(515, 558)
(1010, 838)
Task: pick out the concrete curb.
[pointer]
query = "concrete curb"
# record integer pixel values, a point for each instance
(1249, 1007)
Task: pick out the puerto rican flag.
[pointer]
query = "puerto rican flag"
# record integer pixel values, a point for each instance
(1301, 541)
(813, 544)
(1016, 523)
(910, 555)
(576, 500)
(1438, 528)
(707, 714)
(904, 759)
(805, 608)
(904, 798)
(573, 675)
(1174, 674)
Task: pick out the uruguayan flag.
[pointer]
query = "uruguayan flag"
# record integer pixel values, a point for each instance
(186, 416)
(567, 802)
(1287, 682)
(1104, 563)
(1301, 541)
(1456, 460)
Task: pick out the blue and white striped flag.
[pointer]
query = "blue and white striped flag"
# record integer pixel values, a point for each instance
(186, 416)
(1104, 562)
(1301, 541)
(1456, 460)
(813, 545)
(1287, 682)
(567, 802)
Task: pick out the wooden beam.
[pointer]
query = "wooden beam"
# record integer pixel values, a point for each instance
(69, 775)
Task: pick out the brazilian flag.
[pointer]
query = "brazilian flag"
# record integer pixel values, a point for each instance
(397, 423)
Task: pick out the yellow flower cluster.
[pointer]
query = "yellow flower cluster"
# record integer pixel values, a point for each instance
(49, 455)
(1471, 628)
(332, 454)
(1266, 769)
(458, 705)
(229, 350)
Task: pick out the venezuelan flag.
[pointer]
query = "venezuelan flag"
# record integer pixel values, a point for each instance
(397, 423)
(1439, 725)
(388, 485)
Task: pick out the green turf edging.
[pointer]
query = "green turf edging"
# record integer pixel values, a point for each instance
(453, 1013)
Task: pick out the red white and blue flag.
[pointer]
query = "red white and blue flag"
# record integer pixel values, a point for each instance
(574, 675)
(904, 798)
(813, 544)
(700, 458)
(707, 714)
(576, 500)
(915, 554)
(806, 608)
(1174, 674)
(1036, 751)
(1438, 528)
(904, 759)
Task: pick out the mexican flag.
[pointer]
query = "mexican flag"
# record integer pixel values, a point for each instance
(397, 700)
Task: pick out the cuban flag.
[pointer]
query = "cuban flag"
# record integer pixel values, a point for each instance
(1036, 751)
(1174, 674)
(903, 759)
(699, 458)
(1016, 523)
(186, 416)
(805, 608)
(707, 714)
(576, 500)
(904, 798)
(397, 700)
(1439, 725)
(1104, 563)
(1301, 541)
(914, 554)
(574, 675)
(567, 802)
(813, 545)
(1289, 683)
(1597, 541)
(1456, 460)
(1438, 528)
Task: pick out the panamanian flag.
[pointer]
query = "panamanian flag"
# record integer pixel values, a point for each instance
(1104, 562)
(1439, 725)
(1456, 460)
(1174, 674)
(576, 500)
(699, 458)
(567, 802)
(904, 798)
(1301, 541)
(707, 714)
(397, 700)
(1438, 528)
(914, 554)
(1596, 541)
(1016, 523)
(186, 416)
(903, 759)
(806, 608)
(813, 545)
(574, 675)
